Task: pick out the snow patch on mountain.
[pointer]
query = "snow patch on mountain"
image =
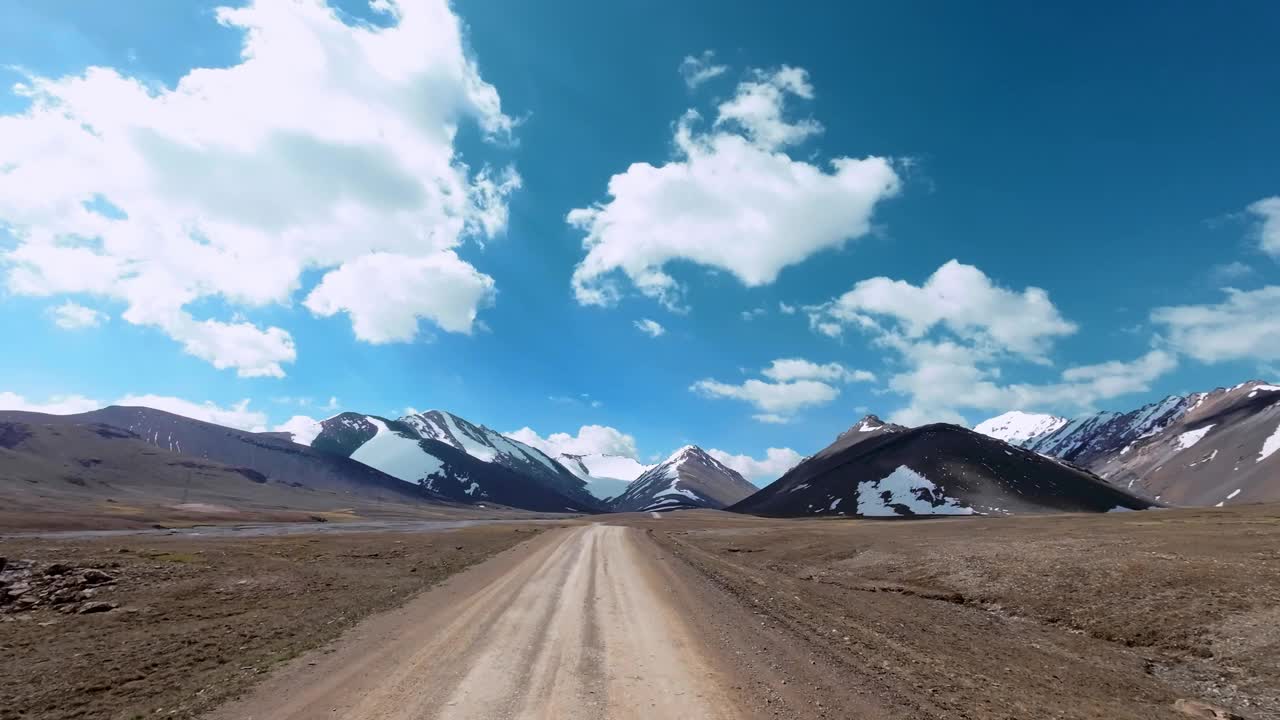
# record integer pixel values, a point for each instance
(1016, 427)
(1264, 388)
(396, 455)
(607, 476)
(907, 489)
(1270, 446)
(1191, 437)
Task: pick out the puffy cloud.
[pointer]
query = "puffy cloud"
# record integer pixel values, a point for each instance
(590, 439)
(74, 316)
(1230, 272)
(237, 415)
(731, 199)
(698, 69)
(753, 313)
(771, 418)
(329, 147)
(952, 335)
(385, 294)
(650, 327)
(961, 299)
(757, 108)
(944, 379)
(786, 309)
(775, 463)
(1246, 326)
(786, 369)
(56, 405)
(775, 399)
(304, 429)
(1268, 212)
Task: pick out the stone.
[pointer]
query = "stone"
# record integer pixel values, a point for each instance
(1204, 711)
(94, 576)
(97, 607)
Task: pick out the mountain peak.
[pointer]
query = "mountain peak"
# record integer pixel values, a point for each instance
(1017, 427)
(869, 424)
(685, 453)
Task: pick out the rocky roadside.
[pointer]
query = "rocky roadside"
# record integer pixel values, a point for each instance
(26, 586)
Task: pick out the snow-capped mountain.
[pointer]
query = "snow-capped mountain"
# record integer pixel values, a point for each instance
(1206, 448)
(1088, 438)
(1017, 428)
(606, 476)
(1223, 449)
(690, 478)
(458, 459)
(932, 470)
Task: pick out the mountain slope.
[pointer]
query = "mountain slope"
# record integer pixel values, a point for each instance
(274, 457)
(55, 473)
(1224, 449)
(933, 470)
(1086, 439)
(1205, 448)
(1019, 428)
(456, 459)
(690, 478)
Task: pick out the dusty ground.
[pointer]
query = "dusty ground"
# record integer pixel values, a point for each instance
(198, 620)
(575, 627)
(1113, 616)
(689, 615)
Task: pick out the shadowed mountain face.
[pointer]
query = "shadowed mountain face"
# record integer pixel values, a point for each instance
(875, 470)
(690, 478)
(274, 457)
(455, 459)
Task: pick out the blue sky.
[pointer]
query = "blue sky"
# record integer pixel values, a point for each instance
(307, 224)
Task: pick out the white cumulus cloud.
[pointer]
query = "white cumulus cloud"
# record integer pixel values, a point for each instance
(328, 147)
(652, 328)
(785, 369)
(951, 337)
(697, 69)
(775, 463)
(775, 400)
(74, 316)
(731, 199)
(1245, 326)
(303, 428)
(958, 297)
(237, 415)
(56, 405)
(1267, 211)
(387, 293)
(590, 439)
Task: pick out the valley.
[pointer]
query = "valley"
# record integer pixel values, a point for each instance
(694, 613)
(429, 567)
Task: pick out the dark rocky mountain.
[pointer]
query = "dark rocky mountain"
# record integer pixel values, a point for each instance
(879, 470)
(1208, 448)
(690, 478)
(59, 473)
(276, 458)
(455, 459)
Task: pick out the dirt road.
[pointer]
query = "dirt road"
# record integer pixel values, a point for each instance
(585, 623)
